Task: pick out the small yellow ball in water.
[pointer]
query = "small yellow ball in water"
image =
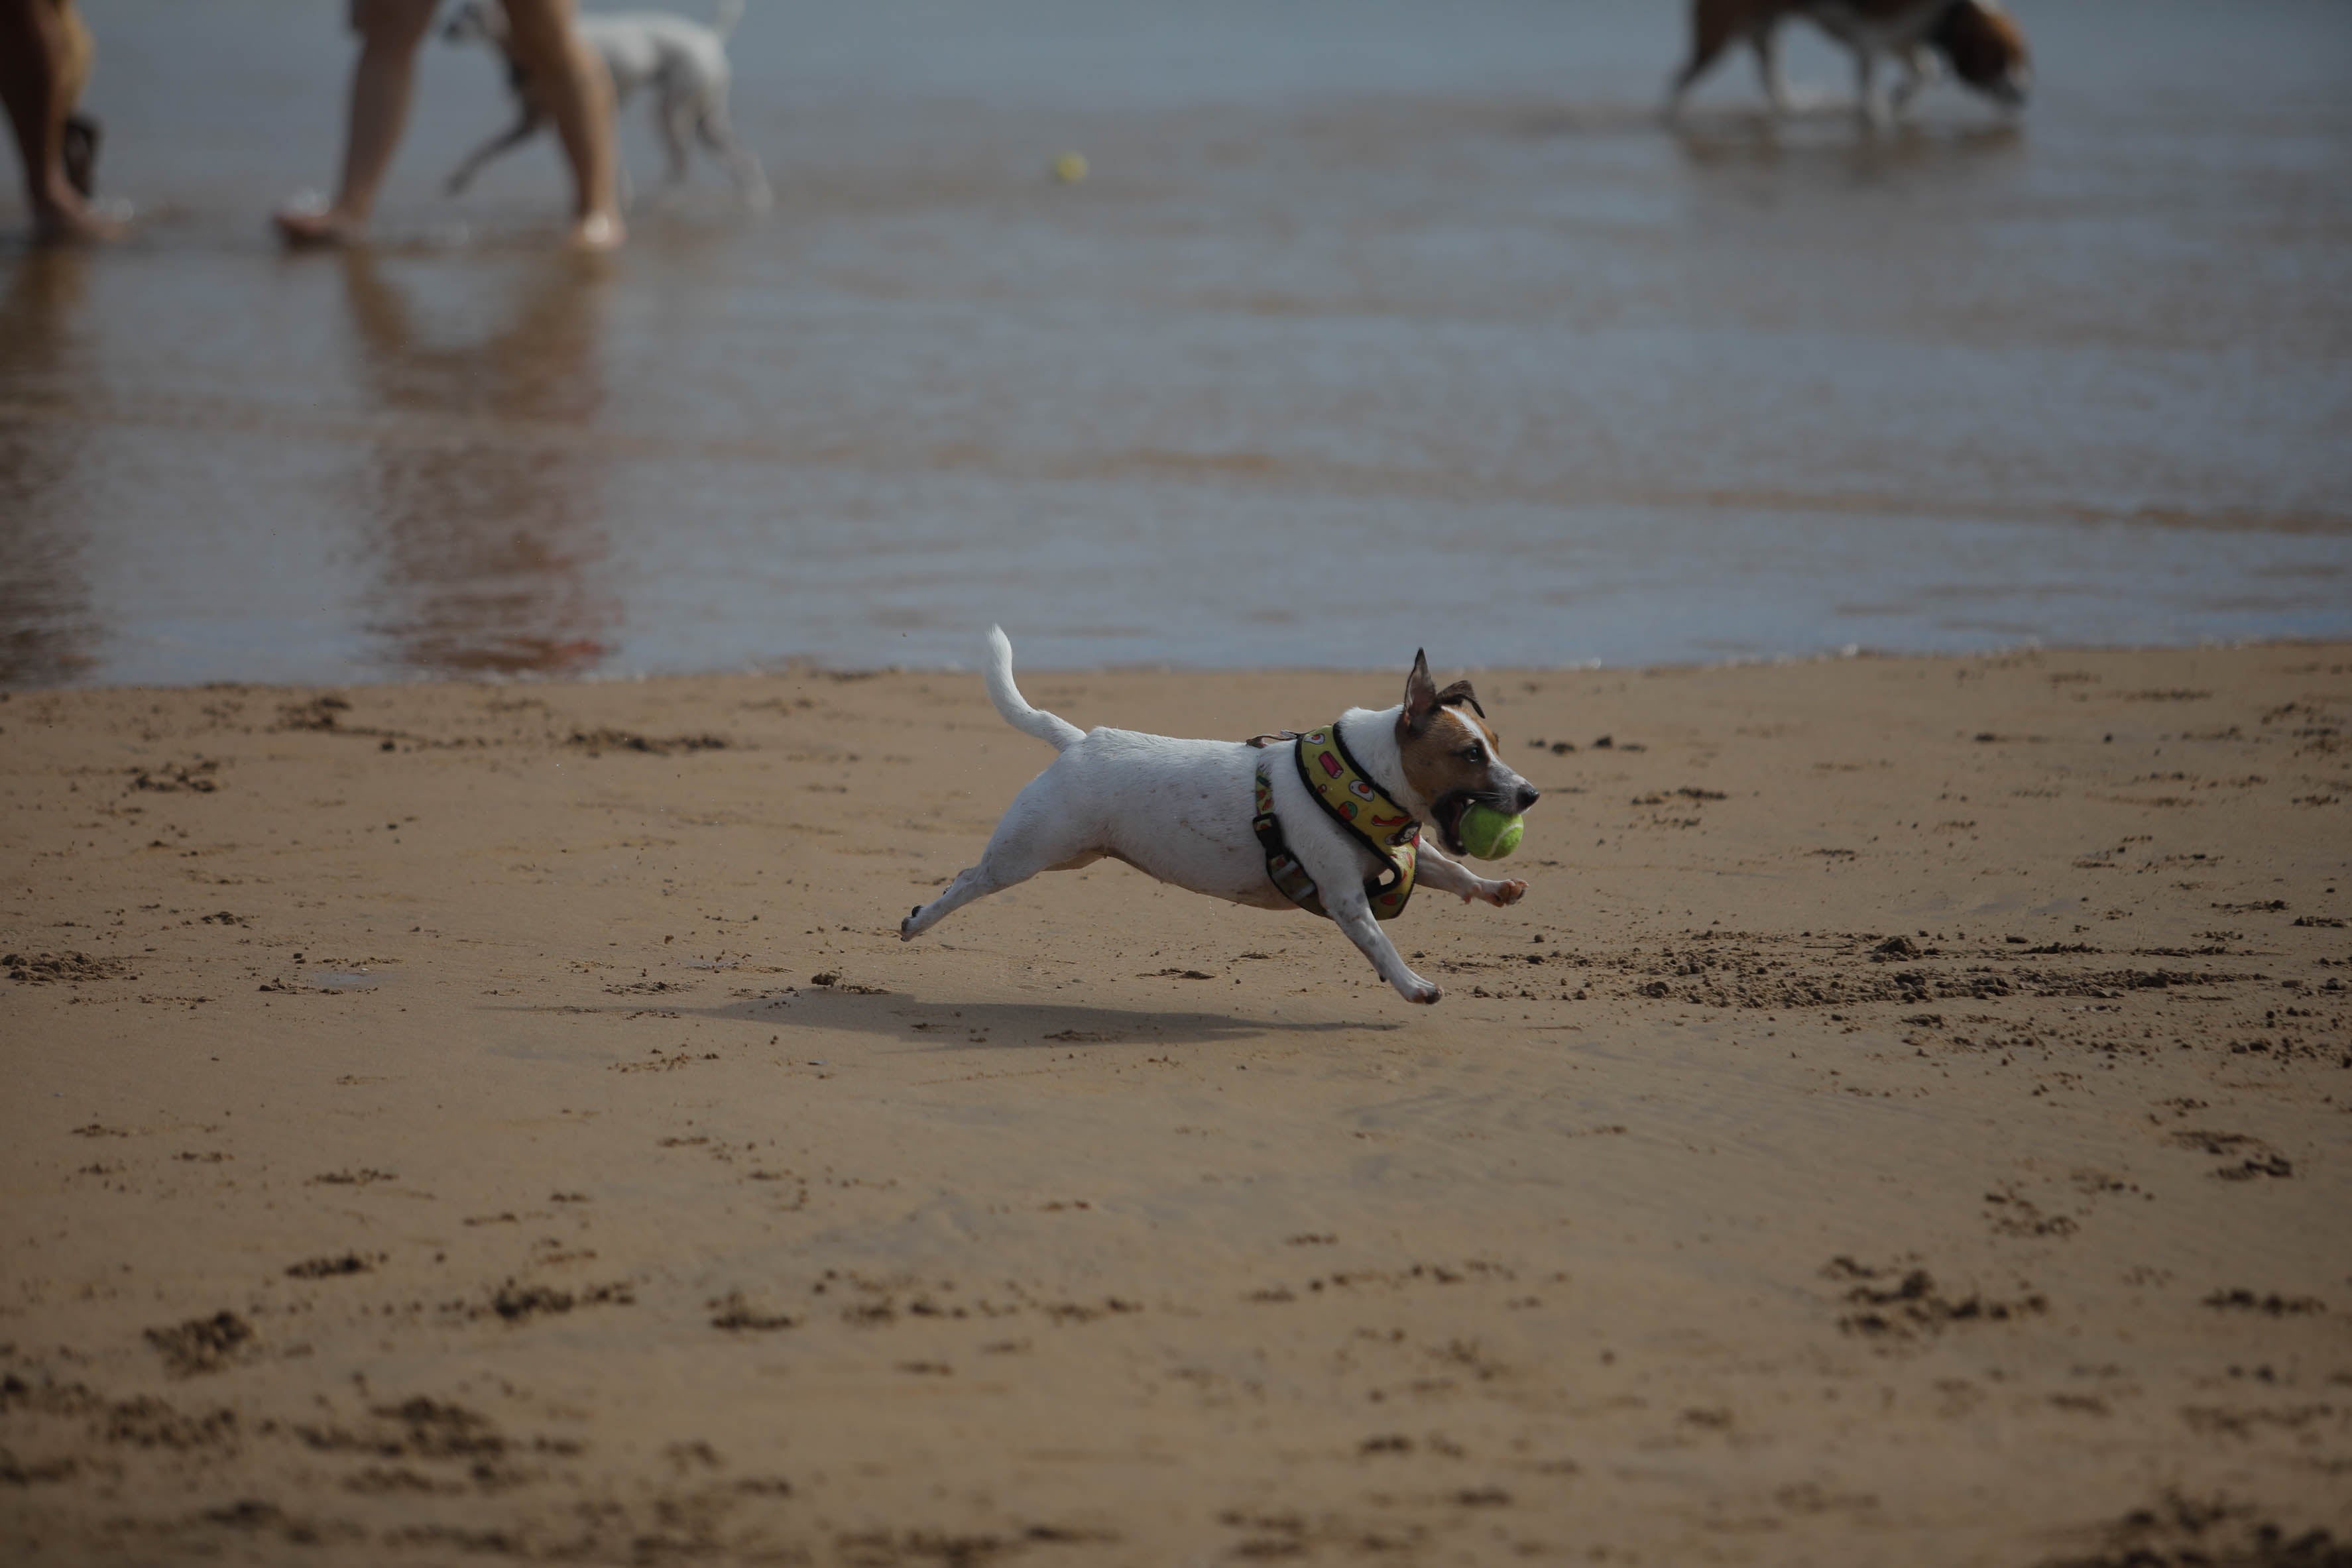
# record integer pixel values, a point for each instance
(1070, 168)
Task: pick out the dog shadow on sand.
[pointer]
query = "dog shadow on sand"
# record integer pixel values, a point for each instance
(998, 1026)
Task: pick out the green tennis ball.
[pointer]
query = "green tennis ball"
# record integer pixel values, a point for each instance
(1490, 834)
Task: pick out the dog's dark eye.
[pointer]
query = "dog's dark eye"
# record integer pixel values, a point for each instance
(1476, 754)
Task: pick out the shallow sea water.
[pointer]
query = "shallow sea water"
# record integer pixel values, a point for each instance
(1373, 326)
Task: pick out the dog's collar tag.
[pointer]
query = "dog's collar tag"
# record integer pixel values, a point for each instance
(1348, 795)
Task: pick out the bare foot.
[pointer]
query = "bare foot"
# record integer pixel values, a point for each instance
(599, 230)
(73, 223)
(304, 228)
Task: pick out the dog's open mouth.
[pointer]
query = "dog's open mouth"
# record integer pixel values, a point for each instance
(1448, 810)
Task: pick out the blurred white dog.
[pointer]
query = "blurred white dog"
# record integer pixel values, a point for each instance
(684, 62)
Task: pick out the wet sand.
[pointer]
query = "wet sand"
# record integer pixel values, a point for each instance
(1366, 316)
(1906, 1121)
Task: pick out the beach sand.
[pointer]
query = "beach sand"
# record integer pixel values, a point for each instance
(1906, 1121)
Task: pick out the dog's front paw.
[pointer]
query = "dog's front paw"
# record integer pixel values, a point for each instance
(1421, 993)
(1503, 893)
(906, 926)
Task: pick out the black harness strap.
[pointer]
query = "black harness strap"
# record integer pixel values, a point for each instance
(1387, 889)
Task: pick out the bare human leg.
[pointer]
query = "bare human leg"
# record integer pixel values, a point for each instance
(45, 59)
(577, 91)
(383, 82)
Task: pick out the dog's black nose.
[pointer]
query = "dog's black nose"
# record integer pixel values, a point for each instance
(1529, 796)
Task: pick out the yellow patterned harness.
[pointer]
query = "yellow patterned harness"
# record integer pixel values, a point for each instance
(1348, 795)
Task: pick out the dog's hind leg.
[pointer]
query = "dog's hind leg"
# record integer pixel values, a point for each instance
(1034, 836)
(1867, 103)
(972, 881)
(1713, 23)
(1766, 42)
(1917, 70)
(750, 180)
(673, 116)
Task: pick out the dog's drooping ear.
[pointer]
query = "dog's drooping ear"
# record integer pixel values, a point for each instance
(1460, 691)
(1420, 696)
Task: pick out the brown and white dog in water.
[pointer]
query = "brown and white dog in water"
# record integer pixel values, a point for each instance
(1182, 810)
(1976, 39)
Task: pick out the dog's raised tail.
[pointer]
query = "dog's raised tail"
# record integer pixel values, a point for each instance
(729, 13)
(1058, 733)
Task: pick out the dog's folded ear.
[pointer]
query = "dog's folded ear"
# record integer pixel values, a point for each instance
(1423, 700)
(1420, 696)
(1460, 691)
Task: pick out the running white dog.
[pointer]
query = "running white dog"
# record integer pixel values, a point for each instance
(684, 62)
(1196, 812)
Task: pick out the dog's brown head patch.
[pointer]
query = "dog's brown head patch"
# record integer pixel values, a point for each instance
(1986, 48)
(1448, 751)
